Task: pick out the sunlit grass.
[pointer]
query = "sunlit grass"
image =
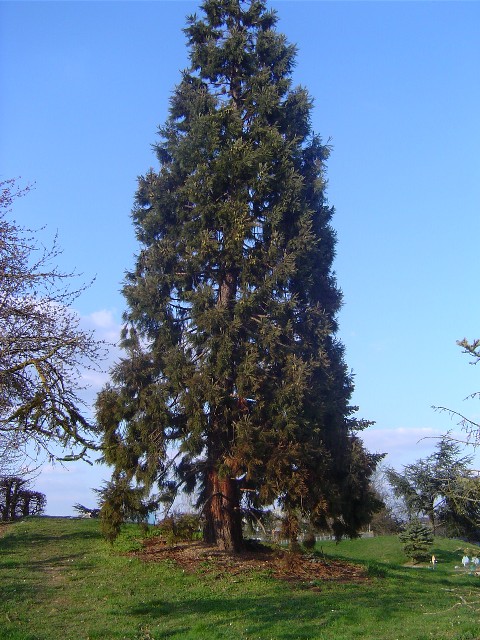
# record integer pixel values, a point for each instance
(60, 581)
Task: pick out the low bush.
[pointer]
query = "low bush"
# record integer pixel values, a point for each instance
(179, 527)
(417, 540)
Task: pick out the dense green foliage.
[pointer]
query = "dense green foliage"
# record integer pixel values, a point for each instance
(178, 527)
(121, 503)
(443, 487)
(234, 383)
(59, 580)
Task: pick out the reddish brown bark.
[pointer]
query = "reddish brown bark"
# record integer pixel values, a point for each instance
(223, 525)
(222, 511)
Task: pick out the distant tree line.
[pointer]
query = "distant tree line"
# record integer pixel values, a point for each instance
(443, 488)
(18, 500)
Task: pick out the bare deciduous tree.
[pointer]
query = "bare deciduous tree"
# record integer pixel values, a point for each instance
(42, 348)
(470, 427)
(18, 500)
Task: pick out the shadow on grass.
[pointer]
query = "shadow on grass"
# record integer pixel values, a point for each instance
(16, 536)
(21, 545)
(446, 561)
(9, 633)
(260, 616)
(51, 562)
(302, 614)
(152, 608)
(448, 557)
(18, 591)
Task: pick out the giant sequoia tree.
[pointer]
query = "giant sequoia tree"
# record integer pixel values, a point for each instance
(233, 383)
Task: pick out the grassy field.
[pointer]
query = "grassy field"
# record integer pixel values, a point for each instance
(60, 581)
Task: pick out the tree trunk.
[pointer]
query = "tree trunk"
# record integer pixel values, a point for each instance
(223, 525)
(7, 513)
(14, 498)
(7, 487)
(26, 505)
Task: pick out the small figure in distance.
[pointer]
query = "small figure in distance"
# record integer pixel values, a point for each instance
(475, 563)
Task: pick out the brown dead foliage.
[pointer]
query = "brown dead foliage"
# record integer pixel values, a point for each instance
(198, 557)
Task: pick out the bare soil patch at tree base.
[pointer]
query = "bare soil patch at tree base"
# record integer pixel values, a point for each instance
(198, 557)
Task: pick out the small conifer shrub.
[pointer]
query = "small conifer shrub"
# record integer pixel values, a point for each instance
(417, 540)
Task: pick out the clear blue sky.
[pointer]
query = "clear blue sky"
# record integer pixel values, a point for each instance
(396, 87)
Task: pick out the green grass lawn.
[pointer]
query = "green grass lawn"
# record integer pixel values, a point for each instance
(60, 581)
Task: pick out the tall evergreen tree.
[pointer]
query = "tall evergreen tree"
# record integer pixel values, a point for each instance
(234, 383)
